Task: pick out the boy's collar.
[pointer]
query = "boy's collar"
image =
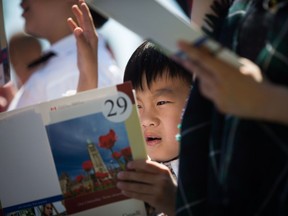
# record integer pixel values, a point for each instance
(169, 161)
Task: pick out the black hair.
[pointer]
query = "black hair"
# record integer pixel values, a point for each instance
(147, 60)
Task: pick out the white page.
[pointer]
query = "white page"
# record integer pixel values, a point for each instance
(152, 21)
(29, 170)
(28, 159)
(149, 19)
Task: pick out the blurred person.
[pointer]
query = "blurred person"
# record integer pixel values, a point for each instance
(58, 75)
(23, 50)
(47, 209)
(241, 116)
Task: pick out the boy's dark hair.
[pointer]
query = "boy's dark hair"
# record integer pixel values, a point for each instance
(148, 60)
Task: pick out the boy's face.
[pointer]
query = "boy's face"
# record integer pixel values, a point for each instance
(160, 109)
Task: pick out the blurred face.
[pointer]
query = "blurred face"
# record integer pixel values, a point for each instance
(48, 210)
(41, 15)
(160, 109)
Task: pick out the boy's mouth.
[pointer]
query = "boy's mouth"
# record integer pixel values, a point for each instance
(152, 141)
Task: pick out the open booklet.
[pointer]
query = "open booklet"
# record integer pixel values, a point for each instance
(66, 153)
(4, 62)
(151, 20)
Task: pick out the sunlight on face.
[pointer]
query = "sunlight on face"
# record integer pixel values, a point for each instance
(160, 109)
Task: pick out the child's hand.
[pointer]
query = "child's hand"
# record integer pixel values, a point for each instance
(87, 46)
(151, 182)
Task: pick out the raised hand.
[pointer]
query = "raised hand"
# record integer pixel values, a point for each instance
(151, 182)
(87, 46)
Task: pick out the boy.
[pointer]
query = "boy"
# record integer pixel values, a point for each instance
(161, 87)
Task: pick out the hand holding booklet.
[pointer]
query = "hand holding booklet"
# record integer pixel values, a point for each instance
(151, 20)
(67, 153)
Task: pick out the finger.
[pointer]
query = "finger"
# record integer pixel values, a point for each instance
(136, 187)
(140, 177)
(147, 166)
(78, 15)
(72, 24)
(88, 24)
(74, 27)
(185, 62)
(196, 58)
(140, 196)
(198, 54)
(251, 69)
(203, 57)
(87, 17)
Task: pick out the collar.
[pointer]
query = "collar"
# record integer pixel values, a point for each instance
(64, 46)
(172, 164)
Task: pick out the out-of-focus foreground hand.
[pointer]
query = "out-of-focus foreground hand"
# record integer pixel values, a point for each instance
(87, 46)
(238, 91)
(151, 182)
(7, 93)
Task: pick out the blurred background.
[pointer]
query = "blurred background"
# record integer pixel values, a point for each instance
(122, 45)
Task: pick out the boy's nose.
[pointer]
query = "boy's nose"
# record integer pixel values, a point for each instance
(149, 119)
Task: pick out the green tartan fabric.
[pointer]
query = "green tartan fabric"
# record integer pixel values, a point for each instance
(231, 166)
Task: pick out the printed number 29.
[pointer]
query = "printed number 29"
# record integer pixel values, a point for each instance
(117, 107)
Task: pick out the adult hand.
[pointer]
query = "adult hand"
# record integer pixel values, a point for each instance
(151, 182)
(87, 46)
(236, 91)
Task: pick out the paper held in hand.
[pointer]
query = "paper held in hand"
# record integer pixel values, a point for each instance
(151, 20)
(66, 153)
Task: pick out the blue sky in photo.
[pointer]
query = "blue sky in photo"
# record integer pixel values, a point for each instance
(68, 140)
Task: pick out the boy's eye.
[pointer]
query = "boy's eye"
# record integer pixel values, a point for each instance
(139, 106)
(162, 103)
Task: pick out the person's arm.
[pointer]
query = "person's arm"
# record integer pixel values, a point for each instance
(238, 91)
(151, 182)
(274, 103)
(87, 46)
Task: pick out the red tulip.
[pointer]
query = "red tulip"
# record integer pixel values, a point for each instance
(87, 165)
(79, 178)
(126, 152)
(107, 141)
(101, 175)
(116, 155)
